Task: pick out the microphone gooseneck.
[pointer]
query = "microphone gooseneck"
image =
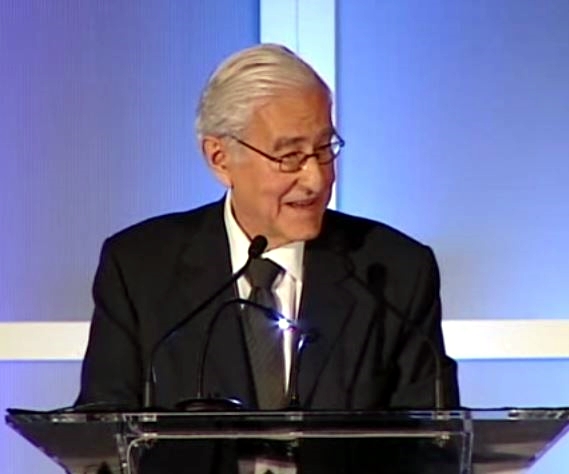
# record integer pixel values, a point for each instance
(376, 277)
(256, 248)
(419, 332)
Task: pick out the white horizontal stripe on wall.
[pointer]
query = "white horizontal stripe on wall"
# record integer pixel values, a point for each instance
(465, 339)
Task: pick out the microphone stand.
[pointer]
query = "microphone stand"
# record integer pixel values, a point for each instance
(256, 248)
(203, 403)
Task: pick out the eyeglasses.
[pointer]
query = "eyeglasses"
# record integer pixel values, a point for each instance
(295, 161)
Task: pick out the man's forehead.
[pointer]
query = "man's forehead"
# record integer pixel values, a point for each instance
(291, 117)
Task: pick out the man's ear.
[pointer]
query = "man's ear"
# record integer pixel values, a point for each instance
(215, 153)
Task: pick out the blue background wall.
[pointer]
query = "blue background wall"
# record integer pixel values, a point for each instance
(96, 131)
(97, 105)
(456, 116)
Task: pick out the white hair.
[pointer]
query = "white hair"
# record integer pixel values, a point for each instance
(244, 81)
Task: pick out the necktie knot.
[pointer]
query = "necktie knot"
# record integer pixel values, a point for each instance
(262, 273)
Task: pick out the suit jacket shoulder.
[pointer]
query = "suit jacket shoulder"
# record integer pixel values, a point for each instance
(165, 230)
(366, 234)
(382, 255)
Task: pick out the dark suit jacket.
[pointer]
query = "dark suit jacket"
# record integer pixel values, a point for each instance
(371, 293)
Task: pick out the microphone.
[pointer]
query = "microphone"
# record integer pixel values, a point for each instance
(301, 338)
(377, 277)
(256, 248)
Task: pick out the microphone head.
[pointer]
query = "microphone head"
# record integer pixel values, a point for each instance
(258, 246)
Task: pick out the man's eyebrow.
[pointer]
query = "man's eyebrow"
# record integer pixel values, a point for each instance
(285, 142)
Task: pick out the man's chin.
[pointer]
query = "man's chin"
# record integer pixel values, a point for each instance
(301, 234)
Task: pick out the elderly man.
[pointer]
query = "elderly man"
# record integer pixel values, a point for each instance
(370, 292)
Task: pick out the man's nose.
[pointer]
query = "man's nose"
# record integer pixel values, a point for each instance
(313, 175)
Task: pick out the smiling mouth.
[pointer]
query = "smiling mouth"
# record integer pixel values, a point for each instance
(303, 204)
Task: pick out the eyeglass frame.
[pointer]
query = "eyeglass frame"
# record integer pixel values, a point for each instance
(305, 156)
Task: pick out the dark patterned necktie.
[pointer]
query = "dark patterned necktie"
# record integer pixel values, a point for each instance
(264, 338)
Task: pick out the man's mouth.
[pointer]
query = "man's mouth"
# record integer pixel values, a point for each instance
(302, 203)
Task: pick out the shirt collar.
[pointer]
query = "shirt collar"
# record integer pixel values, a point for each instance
(288, 256)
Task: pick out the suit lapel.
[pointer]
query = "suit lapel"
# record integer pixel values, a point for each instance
(323, 310)
(338, 308)
(202, 268)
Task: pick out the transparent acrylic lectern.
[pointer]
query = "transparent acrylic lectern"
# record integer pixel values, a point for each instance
(458, 442)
